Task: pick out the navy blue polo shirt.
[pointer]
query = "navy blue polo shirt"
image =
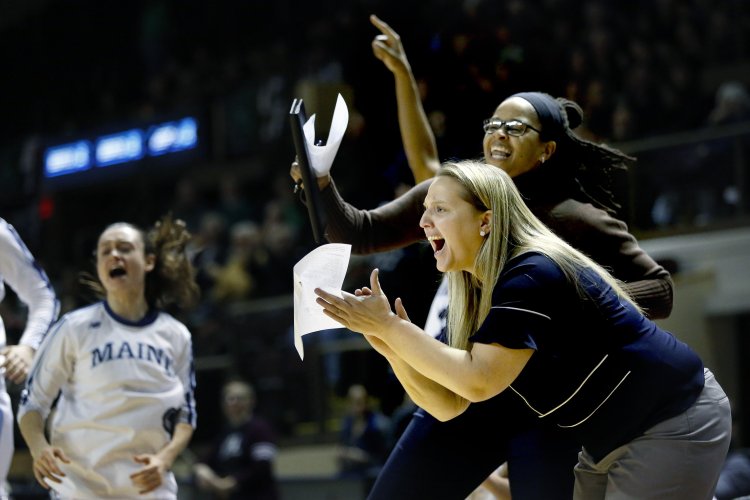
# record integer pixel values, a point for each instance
(600, 368)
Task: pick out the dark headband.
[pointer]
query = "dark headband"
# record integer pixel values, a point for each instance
(548, 111)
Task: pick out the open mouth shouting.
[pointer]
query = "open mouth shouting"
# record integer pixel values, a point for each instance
(117, 272)
(437, 242)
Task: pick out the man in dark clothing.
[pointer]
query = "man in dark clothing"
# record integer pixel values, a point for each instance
(240, 464)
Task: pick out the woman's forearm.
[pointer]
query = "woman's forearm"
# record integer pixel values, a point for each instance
(429, 395)
(390, 226)
(416, 134)
(655, 295)
(438, 401)
(32, 430)
(474, 375)
(180, 439)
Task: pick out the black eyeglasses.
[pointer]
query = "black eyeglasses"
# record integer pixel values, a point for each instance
(516, 128)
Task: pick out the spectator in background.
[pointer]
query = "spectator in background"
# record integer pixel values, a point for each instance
(22, 273)
(236, 280)
(232, 203)
(187, 204)
(705, 187)
(623, 122)
(287, 207)
(362, 443)
(280, 250)
(732, 104)
(722, 158)
(240, 463)
(207, 249)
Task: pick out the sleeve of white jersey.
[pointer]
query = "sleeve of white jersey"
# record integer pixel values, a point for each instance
(186, 371)
(52, 367)
(22, 273)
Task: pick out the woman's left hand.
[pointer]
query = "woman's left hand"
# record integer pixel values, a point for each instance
(367, 311)
(17, 362)
(150, 476)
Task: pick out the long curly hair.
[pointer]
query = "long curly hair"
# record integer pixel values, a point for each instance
(594, 165)
(591, 165)
(172, 281)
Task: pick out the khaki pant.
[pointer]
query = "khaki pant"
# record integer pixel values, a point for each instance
(677, 459)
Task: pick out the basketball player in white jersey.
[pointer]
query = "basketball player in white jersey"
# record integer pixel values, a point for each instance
(124, 372)
(19, 270)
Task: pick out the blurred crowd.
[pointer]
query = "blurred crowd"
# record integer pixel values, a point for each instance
(638, 68)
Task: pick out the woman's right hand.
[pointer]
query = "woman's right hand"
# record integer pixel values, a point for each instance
(46, 465)
(296, 173)
(379, 345)
(388, 48)
(366, 313)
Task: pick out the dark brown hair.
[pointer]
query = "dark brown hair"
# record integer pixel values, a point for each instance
(172, 281)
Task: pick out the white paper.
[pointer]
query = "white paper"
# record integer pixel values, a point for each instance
(321, 157)
(325, 268)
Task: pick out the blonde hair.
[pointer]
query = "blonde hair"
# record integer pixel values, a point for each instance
(514, 230)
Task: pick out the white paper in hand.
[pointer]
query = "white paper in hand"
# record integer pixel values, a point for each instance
(321, 157)
(325, 268)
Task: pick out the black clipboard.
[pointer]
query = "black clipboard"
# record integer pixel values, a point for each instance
(297, 119)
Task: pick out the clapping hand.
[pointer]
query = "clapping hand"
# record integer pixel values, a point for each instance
(366, 311)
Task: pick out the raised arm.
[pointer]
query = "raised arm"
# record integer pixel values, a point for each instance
(416, 134)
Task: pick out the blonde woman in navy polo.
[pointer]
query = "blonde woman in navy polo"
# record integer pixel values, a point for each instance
(533, 317)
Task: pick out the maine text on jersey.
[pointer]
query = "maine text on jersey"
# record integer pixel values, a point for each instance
(140, 351)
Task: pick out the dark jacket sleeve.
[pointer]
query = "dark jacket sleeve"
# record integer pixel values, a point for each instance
(258, 470)
(392, 225)
(608, 241)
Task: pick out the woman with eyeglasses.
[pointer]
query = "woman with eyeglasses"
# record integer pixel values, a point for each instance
(564, 180)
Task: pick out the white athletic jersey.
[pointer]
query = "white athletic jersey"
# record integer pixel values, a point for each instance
(19, 270)
(437, 316)
(123, 387)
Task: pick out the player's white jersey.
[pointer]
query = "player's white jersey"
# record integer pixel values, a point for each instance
(19, 269)
(123, 386)
(437, 318)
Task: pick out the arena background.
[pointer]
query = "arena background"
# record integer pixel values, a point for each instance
(664, 80)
